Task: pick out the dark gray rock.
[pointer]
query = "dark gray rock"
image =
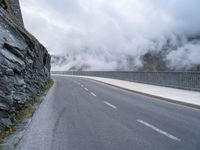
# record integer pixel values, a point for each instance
(24, 64)
(6, 122)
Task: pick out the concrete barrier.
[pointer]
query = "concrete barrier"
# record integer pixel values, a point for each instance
(181, 80)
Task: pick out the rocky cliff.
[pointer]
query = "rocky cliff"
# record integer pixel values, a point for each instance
(24, 62)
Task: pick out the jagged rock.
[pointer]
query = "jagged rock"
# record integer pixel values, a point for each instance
(3, 107)
(24, 63)
(6, 122)
(9, 72)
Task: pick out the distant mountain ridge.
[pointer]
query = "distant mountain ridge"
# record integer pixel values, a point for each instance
(152, 60)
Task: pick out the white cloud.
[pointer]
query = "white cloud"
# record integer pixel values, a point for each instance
(112, 30)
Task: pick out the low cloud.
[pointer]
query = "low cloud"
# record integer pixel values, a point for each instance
(114, 35)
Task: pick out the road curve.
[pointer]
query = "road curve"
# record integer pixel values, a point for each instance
(82, 114)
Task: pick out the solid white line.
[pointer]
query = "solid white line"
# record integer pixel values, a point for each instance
(86, 89)
(159, 131)
(109, 104)
(93, 94)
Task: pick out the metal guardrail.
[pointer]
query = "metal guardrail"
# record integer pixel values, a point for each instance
(181, 80)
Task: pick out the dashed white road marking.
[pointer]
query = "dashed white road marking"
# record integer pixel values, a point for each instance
(82, 85)
(93, 94)
(86, 89)
(111, 105)
(159, 131)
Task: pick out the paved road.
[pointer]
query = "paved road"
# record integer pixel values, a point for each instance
(81, 114)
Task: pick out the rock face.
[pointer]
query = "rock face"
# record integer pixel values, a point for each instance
(13, 8)
(24, 62)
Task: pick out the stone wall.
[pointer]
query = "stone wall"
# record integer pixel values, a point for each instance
(24, 65)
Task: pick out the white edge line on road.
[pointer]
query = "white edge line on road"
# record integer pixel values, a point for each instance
(86, 89)
(159, 131)
(109, 104)
(93, 94)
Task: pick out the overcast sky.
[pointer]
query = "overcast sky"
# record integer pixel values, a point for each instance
(102, 33)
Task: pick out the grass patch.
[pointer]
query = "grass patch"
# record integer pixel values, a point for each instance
(26, 111)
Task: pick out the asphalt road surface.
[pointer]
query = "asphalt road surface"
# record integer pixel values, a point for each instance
(82, 114)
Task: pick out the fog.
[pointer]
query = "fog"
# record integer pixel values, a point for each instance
(115, 34)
